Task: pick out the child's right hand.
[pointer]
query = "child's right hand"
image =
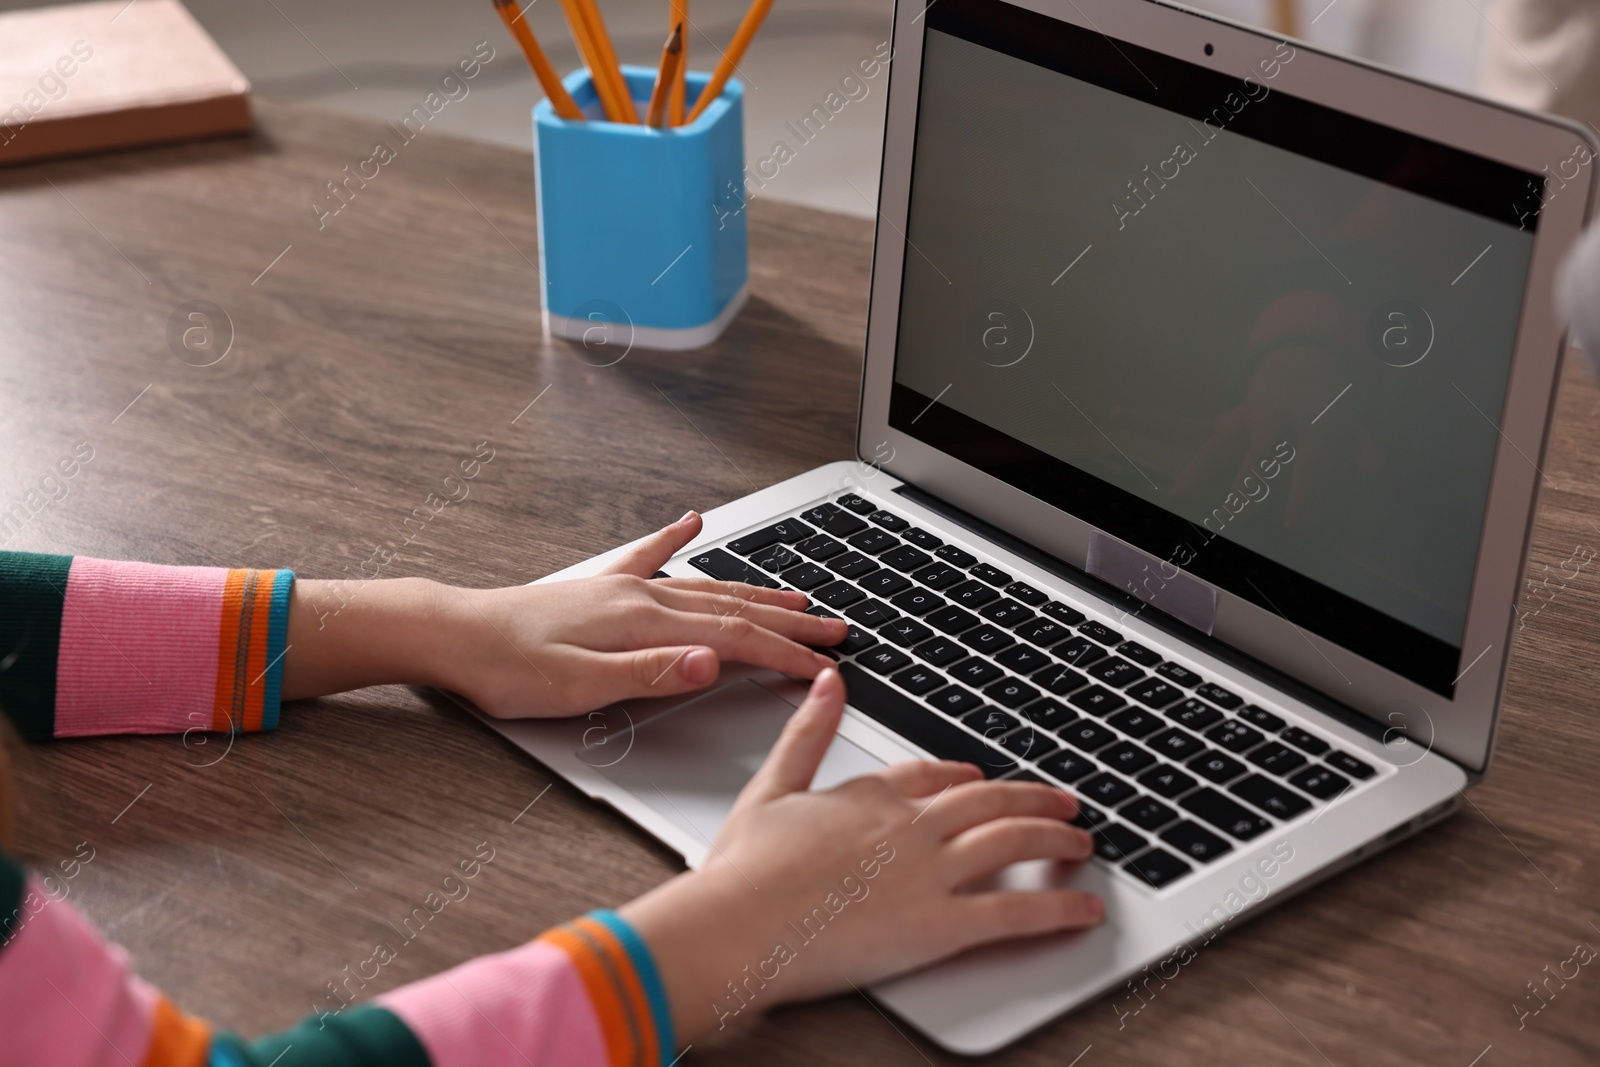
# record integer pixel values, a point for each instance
(807, 894)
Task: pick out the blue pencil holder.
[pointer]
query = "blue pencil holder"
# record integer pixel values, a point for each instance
(641, 230)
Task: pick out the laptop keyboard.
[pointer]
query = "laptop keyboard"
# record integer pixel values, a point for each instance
(1172, 770)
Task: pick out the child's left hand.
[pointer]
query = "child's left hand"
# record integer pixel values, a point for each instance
(561, 648)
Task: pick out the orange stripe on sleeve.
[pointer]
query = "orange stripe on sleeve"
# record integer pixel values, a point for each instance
(228, 650)
(602, 994)
(176, 1039)
(622, 967)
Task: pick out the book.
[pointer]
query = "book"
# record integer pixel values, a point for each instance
(91, 77)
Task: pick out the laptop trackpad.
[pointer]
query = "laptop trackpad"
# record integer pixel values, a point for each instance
(690, 763)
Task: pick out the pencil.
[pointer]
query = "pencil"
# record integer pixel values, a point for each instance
(730, 58)
(666, 78)
(608, 57)
(680, 17)
(604, 88)
(560, 99)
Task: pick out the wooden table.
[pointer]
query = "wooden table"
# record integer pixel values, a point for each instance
(371, 355)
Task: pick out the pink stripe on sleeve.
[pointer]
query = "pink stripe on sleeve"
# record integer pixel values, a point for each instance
(139, 648)
(524, 1006)
(68, 998)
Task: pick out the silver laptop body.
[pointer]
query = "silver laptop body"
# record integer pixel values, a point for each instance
(1191, 350)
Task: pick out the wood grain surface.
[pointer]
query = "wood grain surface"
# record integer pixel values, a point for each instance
(378, 351)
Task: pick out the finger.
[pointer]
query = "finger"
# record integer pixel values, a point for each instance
(737, 638)
(922, 778)
(1002, 914)
(783, 598)
(649, 672)
(982, 851)
(977, 803)
(647, 556)
(796, 625)
(793, 761)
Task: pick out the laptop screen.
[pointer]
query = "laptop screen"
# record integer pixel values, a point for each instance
(1264, 341)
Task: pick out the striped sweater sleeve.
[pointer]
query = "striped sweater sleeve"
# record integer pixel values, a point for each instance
(584, 995)
(89, 646)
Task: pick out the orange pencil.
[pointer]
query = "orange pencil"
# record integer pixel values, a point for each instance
(604, 88)
(666, 78)
(730, 58)
(680, 17)
(608, 57)
(560, 99)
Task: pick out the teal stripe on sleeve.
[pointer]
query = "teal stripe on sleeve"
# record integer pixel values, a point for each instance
(644, 966)
(277, 635)
(33, 592)
(367, 1036)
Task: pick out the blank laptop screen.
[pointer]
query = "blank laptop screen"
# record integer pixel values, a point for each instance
(1264, 341)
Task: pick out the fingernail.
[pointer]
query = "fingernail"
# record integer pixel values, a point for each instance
(700, 665)
(687, 515)
(1086, 839)
(826, 679)
(1096, 909)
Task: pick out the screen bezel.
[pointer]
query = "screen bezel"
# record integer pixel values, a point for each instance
(1459, 726)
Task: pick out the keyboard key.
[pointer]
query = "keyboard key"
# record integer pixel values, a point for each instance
(1042, 632)
(1216, 767)
(1270, 797)
(1125, 757)
(874, 541)
(859, 505)
(1106, 789)
(852, 565)
(1195, 714)
(941, 651)
(1261, 718)
(1320, 782)
(971, 594)
(820, 547)
(916, 601)
(835, 520)
(976, 672)
(791, 531)
(839, 595)
(1025, 775)
(1007, 613)
(1349, 764)
(1180, 675)
(1088, 816)
(1175, 744)
(1078, 652)
(991, 722)
(806, 577)
(905, 632)
(1010, 693)
(1276, 758)
(1086, 736)
(883, 659)
(1235, 736)
(1195, 841)
(937, 576)
(1023, 659)
(937, 735)
(1219, 696)
(987, 639)
(955, 556)
(950, 619)
(1147, 813)
(755, 542)
(884, 583)
(1048, 714)
(1029, 743)
(1026, 593)
(855, 640)
(1060, 680)
(1096, 700)
(1100, 632)
(954, 701)
(1166, 781)
(1136, 722)
(985, 573)
(918, 679)
(721, 565)
(1144, 657)
(921, 538)
(1154, 693)
(1063, 614)
(888, 520)
(1304, 740)
(1157, 868)
(1115, 672)
(1226, 815)
(905, 558)
(1115, 842)
(1067, 767)
(871, 614)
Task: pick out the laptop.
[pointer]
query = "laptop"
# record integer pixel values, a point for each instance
(1207, 382)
